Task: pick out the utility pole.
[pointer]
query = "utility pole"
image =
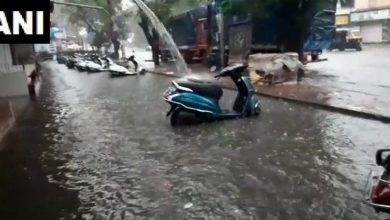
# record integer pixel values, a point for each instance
(222, 39)
(220, 35)
(223, 7)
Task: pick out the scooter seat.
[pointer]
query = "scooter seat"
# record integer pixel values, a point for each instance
(202, 88)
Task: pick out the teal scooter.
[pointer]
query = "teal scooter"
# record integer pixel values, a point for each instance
(202, 99)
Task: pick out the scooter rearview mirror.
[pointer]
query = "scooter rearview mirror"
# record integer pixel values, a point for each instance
(383, 157)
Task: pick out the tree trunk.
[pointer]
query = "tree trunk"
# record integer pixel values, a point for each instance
(294, 23)
(117, 46)
(152, 38)
(156, 48)
(113, 35)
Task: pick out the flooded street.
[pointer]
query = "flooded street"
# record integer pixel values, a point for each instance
(357, 79)
(93, 147)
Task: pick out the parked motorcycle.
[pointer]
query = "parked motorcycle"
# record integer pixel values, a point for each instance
(202, 99)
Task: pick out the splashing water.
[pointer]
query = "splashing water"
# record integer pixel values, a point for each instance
(181, 65)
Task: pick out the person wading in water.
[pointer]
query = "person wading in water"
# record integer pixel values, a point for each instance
(34, 76)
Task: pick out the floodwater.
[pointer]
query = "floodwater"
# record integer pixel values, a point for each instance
(93, 147)
(356, 79)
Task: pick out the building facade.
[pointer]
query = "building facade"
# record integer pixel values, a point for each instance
(372, 17)
(16, 61)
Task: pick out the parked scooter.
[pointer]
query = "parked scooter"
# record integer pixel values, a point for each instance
(134, 65)
(81, 63)
(96, 64)
(118, 70)
(377, 190)
(71, 62)
(202, 99)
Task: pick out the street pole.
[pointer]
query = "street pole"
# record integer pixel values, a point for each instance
(224, 6)
(222, 39)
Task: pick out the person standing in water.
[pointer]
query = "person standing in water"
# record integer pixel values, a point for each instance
(34, 76)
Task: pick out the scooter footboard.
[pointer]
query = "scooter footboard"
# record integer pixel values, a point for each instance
(369, 187)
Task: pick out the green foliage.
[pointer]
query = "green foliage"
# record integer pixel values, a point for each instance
(164, 9)
(96, 20)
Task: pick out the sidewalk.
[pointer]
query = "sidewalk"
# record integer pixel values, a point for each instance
(315, 89)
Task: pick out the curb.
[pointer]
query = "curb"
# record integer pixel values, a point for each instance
(346, 111)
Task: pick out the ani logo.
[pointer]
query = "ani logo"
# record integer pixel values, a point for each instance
(25, 21)
(22, 24)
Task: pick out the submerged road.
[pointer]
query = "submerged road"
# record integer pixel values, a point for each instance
(93, 147)
(355, 79)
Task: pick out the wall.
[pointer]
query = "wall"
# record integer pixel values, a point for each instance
(365, 4)
(13, 80)
(22, 54)
(5, 55)
(13, 84)
(362, 4)
(379, 3)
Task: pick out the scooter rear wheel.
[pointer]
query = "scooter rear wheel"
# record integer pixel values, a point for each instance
(175, 117)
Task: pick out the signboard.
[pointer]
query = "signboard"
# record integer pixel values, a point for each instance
(240, 41)
(342, 20)
(53, 48)
(370, 15)
(38, 48)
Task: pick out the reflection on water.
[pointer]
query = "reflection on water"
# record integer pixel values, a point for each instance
(108, 140)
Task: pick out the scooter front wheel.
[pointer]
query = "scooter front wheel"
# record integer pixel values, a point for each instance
(257, 110)
(175, 117)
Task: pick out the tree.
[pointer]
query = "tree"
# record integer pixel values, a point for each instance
(163, 9)
(102, 24)
(99, 22)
